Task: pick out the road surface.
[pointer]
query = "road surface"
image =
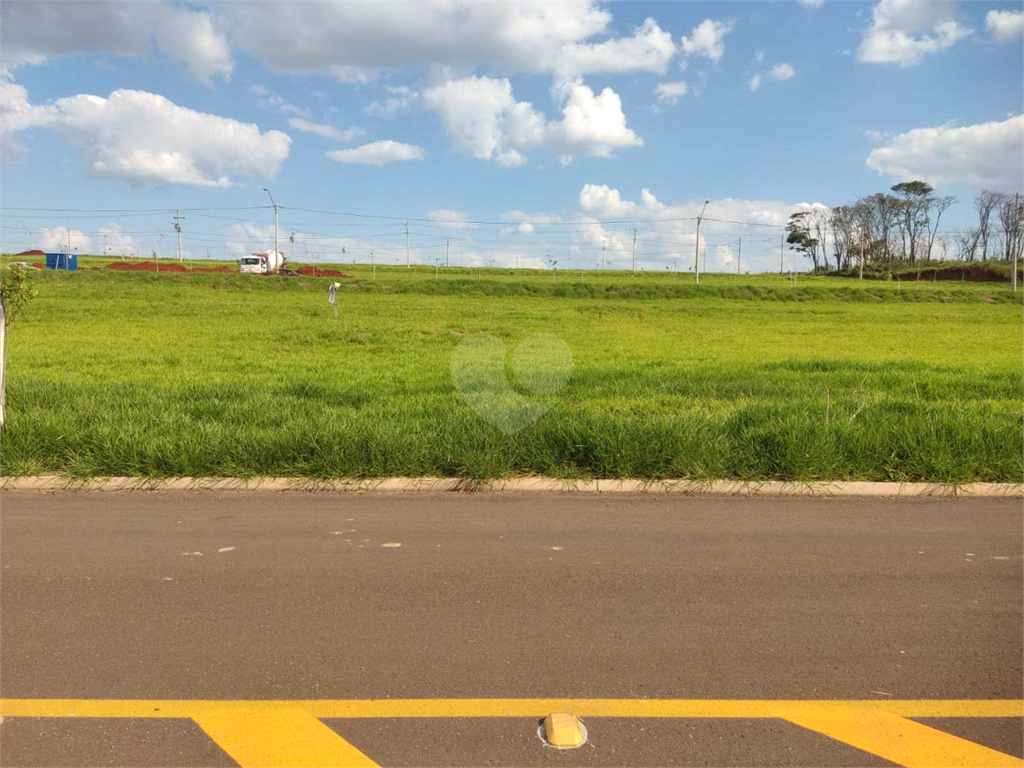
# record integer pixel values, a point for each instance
(258, 628)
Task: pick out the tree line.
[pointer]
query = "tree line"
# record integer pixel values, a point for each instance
(901, 227)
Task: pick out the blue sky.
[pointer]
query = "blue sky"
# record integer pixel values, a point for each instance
(516, 130)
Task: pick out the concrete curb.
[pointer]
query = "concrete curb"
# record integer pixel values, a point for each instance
(52, 483)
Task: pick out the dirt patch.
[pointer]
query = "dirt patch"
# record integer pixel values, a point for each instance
(318, 272)
(146, 266)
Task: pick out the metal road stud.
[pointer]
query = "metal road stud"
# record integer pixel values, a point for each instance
(564, 730)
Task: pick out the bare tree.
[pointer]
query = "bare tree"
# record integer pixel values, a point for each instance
(939, 205)
(1011, 216)
(986, 202)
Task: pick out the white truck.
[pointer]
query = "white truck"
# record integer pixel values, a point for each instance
(266, 263)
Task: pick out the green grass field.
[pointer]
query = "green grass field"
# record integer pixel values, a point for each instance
(748, 377)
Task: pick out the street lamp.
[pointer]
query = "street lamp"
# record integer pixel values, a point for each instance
(696, 247)
(276, 251)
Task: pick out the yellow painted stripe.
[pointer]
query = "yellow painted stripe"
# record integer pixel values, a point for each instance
(899, 740)
(402, 708)
(285, 737)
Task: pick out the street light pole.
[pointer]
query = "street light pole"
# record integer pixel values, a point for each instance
(276, 251)
(696, 247)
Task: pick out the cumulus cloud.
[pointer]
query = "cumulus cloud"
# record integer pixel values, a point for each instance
(812, 3)
(667, 231)
(56, 240)
(327, 131)
(359, 41)
(1005, 25)
(114, 241)
(32, 32)
(707, 39)
(903, 31)
(144, 137)
(650, 49)
(754, 83)
(669, 93)
(482, 118)
(378, 153)
(402, 97)
(983, 156)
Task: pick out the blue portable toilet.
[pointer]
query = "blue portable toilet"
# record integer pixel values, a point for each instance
(62, 261)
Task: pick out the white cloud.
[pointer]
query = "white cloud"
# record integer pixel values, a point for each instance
(670, 93)
(532, 218)
(781, 72)
(812, 3)
(903, 31)
(451, 219)
(402, 97)
(758, 55)
(270, 100)
(667, 232)
(327, 131)
(144, 137)
(482, 118)
(754, 83)
(525, 228)
(650, 49)
(987, 155)
(378, 153)
(32, 32)
(359, 41)
(56, 240)
(602, 200)
(707, 39)
(1005, 25)
(116, 241)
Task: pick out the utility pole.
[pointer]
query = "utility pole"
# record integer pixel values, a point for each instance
(696, 247)
(634, 250)
(739, 256)
(159, 248)
(782, 253)
(276, 247)
(291, 237)
(408, 261)
(177, 228)
(67, 261)
(604, 242)
(862, 257)
(447, 251)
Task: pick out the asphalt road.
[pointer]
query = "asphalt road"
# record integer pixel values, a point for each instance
(289, 596)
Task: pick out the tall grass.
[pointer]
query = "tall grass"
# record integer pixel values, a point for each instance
(164, 375)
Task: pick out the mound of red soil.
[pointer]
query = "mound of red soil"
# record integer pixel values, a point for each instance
(146, 266)
(318, 272)
(33, 252)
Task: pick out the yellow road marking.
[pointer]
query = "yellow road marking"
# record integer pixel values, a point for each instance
(899, 740)
(399, 708)
(273, 733)
(280, 738)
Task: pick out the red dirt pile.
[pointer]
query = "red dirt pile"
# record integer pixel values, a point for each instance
(318, 272)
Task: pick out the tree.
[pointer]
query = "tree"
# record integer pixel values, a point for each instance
(800, 237)
(16, 291)
(1011, 216)
(912, 207)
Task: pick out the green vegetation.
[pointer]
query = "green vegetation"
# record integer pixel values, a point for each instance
(744, 377)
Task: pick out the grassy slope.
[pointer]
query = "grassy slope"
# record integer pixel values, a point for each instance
(137, 374)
